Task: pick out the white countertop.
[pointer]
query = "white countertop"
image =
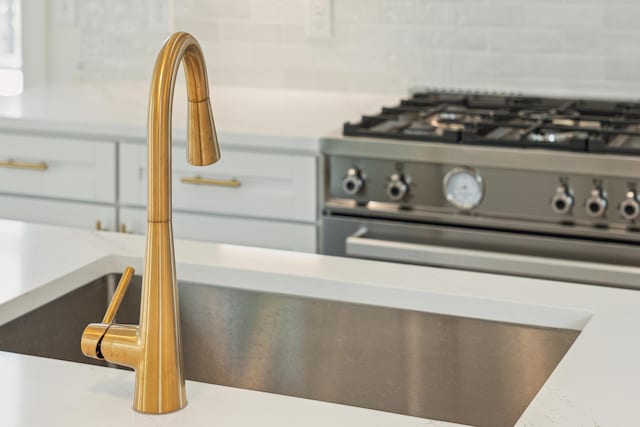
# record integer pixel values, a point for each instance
(594, 385)
(292, 120)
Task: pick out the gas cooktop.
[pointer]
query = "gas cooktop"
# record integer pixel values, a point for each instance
(595, 126)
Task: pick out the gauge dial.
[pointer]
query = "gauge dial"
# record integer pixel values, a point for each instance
(463, 188)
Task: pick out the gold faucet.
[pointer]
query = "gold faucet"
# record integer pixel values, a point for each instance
(154, 347)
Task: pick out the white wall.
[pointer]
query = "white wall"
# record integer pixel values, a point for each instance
(581, 47)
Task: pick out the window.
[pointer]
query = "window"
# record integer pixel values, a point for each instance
(10, 48)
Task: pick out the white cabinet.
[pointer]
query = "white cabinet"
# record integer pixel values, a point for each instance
(58, 180)
(62, 168)
(70, 181)
(239, 231)
(71, 214)
(269, 185)
(247, 198)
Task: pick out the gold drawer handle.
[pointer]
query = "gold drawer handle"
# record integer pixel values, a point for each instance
(198, 180)
(42, 166)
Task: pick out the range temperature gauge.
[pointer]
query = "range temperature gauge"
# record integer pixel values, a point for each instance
(463, 188)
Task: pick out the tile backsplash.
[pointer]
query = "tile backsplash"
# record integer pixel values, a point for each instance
(576, 47)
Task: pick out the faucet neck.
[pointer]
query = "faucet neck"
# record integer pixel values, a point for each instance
(203, 147)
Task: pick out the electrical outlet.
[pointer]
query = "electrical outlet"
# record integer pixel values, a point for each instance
(64, 12)
(319, 19)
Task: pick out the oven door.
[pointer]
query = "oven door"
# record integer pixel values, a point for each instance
(548, 257)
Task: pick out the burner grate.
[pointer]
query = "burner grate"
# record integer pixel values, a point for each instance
(508, 121)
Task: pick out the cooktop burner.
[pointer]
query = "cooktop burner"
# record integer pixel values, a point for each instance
(508, 120)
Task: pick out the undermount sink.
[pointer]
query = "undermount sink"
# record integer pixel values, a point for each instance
(449, 368)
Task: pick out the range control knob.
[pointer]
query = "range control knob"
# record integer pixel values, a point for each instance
(596, 204)
(398, 186)
(562, 201)
(630, 206)
(353, 182)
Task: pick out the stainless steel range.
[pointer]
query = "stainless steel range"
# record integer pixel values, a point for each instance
(541, 187)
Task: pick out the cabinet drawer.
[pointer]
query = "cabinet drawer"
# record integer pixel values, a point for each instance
(75, 169)
(249, 232)
(71, 214)
(270, 185)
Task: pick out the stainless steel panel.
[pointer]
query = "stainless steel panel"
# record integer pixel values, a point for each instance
(458, 154)
(576, 260)
(395, 213)
(510, 193)
(448, 368)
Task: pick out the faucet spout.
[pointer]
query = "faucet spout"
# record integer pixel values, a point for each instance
(154, 347)
(203, 148)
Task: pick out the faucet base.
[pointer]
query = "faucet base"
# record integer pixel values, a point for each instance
(161, 412)
(160, 386)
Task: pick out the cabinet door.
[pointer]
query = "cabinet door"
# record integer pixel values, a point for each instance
(61, 168)
(239, 231)
(259, 185)
(71, 214)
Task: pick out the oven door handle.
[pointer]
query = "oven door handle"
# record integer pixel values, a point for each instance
(360, 246)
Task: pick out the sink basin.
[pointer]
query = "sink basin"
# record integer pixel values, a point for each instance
(448, 368)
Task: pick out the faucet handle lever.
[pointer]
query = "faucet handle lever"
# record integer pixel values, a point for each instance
(121, 289)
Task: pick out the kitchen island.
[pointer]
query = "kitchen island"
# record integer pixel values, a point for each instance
(593, 385)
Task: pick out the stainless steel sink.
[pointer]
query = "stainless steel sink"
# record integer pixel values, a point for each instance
(449, 368)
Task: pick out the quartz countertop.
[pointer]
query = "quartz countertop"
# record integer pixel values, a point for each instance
(291, 120)
(594, 385)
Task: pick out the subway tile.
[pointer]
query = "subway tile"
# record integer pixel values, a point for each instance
(564, 67)
(228, 54)
(416, 12)
(283, 11)
(200, 28)
(465, 39)
(222, 9)
(182, 9)
(621, 44)
(501, 14)
(434, 70)
(437, 39)
(563, 16)
(516, 41)
(622, 70)
(487, 65)
(584, 41)
(245, 76)
(293, 34)
(359, 11)
(424, 39)
(280, 56)
(381, 82)
(621, 17)
(312, 78)
(380, 37)
(240, 31)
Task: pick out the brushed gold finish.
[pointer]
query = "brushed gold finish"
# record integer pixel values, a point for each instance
(154, 347)
(92, 336)
(198, 180)
(123, 228)
(99, 226)
(116, 300)
(201, 135)
(14, 164)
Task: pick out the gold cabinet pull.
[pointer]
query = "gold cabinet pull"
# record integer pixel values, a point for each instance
(41, 166)
(99, 226)
(198, 180)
